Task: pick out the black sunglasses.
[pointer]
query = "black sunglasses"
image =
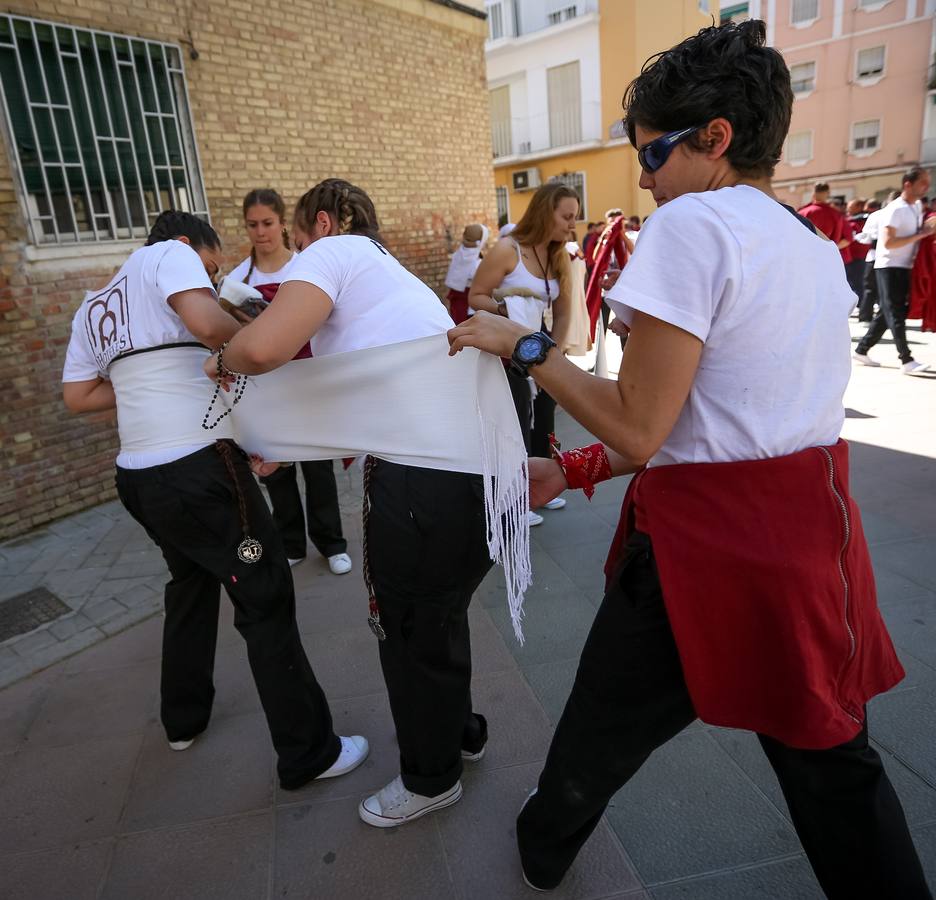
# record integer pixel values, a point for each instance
(653, 155)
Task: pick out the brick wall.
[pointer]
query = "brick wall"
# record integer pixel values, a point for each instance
(390, 94)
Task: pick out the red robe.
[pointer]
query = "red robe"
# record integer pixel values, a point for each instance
(769, 590)
(609, 242)
(923, 285)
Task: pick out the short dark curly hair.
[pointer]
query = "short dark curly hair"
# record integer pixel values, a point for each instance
(173, 223)
(725, 72)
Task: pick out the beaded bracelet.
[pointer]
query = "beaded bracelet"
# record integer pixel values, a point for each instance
(583, 467)
(240, 385)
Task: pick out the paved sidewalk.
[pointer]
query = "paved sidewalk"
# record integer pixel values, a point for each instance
(95, 805)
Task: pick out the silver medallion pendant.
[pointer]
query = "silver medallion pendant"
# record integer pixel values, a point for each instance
(249, 550)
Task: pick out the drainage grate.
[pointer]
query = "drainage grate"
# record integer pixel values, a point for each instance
(24, 612)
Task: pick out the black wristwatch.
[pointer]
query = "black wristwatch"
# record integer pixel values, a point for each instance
(530, 350)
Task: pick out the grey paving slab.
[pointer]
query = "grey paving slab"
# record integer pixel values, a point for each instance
(788, 879)
(73, 872)
(686, 812)
(142, 643)
(235, 691)
(913, 559)
(555, 625)
(324, 850)
(584, 565)
(912, 626)
(216, 861)
(488, 651)
(85, 706)
(19, 705)
(227, 771)
(65, 795)
(905, 723)
(519, 731)
(552, 682)
(894, 588)
(480, 840)
(571, 526)
(346, 662)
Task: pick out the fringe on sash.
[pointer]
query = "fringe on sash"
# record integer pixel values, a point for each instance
(506, 506)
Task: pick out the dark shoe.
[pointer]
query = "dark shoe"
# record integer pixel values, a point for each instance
(474, 739)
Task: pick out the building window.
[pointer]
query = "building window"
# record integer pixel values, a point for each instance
(866, 136)
(870, 62)
(501, 136)
(503, 205)
(495, 13)
(563, 14)
(100, 129)
(576, 181)
(803, 77)
(871, 4)
(565, 105)
(735, 12)
(799, 148)
(804, 12)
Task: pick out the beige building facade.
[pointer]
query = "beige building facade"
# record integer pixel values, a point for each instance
(113, 110)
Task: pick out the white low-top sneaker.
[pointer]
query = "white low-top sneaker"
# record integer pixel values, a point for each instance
(181, 745)
(340, 564)
(354, 751)
(555, 503)
(914, 368)
(864, 360)
(534, 518)
(395, 805)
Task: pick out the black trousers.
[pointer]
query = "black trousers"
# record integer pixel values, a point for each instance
(427, 546)
(321, 508)
(894, 299)
(190, 509)
(630, 697)
(854, 274)
(523, 403)
(869, 294)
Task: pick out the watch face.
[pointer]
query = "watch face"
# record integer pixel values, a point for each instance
(529, 349)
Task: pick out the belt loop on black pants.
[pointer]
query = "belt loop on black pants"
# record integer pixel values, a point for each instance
(373, 611)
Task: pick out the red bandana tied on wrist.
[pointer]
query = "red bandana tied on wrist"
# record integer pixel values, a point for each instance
(583, 467)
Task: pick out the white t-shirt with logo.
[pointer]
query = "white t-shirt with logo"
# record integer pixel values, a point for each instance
(239, 273)
(131, 314)
(906, 219)
(376, 300)
(776, 346)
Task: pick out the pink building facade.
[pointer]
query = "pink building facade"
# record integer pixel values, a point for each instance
(864, 76)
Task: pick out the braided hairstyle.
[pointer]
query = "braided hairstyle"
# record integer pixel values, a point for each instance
(265, 197)
(173, 223)
(346, 203)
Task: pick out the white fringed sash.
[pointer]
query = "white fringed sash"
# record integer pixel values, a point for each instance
(408, 403)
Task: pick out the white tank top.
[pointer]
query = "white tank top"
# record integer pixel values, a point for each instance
(521, 277)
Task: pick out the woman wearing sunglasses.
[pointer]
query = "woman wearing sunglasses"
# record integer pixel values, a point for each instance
(739, 586)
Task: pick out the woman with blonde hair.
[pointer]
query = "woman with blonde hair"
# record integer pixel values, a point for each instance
(527, 275)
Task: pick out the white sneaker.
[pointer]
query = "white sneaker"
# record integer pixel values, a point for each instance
(864, 360)
(555, 503)
(295, 562)
(534, 518)
(340, 564)
(395, 805)
(181, 745)
(354, 751)
(914, 368)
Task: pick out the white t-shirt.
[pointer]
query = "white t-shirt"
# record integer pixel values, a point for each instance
(906, 219)
(239, 273)
(131, 315)
(376, 300)
(776, 346)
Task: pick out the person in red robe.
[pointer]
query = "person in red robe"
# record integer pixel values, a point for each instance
(923, 284)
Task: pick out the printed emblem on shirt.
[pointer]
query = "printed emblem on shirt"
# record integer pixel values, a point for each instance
(108, 325)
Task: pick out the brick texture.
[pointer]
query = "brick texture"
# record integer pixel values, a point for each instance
(390, 95)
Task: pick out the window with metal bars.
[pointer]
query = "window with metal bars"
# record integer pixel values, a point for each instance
(100, 128)
(576, 181)
(865, 135)
(503, 205)
(803, 77)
